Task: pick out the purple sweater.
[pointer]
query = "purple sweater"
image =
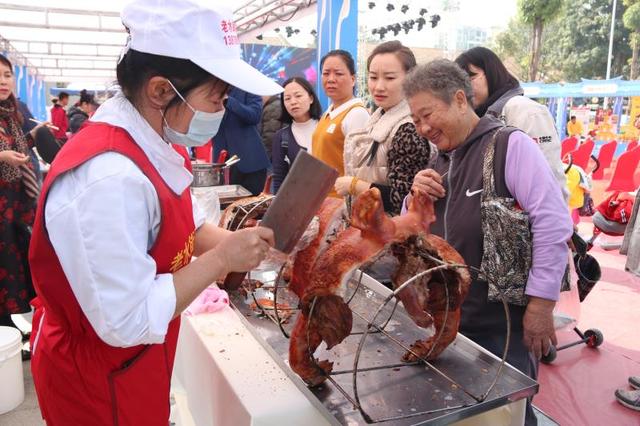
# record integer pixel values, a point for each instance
(532, 183)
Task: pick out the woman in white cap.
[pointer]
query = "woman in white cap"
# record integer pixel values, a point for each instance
(116, 227)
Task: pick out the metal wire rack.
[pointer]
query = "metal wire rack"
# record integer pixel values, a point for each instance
(277, 313)
(244, 211)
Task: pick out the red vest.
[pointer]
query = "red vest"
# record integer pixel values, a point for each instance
(79, 379)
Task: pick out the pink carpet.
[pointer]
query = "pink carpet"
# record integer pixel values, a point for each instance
(578, 387)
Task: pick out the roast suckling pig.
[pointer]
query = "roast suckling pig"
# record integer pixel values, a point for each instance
(434, 299)
(246, 212)
(319, 286)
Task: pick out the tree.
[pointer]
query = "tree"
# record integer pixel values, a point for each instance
(513, 46)
(537, 13)
(574, 45)
(580, 44)
(631, 19)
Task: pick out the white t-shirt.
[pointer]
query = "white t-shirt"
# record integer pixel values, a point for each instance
(302, 132)
(102, 218)
(356, 119)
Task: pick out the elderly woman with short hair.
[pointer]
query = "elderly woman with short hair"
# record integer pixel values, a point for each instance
(465, 184)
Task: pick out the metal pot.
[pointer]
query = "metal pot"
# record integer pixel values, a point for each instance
(207, 174)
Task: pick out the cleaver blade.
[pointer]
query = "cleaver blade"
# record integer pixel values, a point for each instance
(306, 186)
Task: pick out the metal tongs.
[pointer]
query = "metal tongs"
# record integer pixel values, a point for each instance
(231, 161)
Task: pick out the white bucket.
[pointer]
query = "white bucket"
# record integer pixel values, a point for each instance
(12, 389)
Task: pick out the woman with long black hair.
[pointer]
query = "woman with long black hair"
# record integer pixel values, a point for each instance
(497, 92)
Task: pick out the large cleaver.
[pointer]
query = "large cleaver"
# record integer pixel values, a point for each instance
(299, 198)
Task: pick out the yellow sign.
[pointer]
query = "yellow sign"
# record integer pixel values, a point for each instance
(629, 131)
(635, 108)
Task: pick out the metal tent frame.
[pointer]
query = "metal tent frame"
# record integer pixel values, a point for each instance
(79, 44)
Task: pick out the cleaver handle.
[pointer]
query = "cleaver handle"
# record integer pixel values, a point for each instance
(233, 280)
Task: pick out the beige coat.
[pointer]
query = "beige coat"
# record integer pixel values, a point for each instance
(380, 128)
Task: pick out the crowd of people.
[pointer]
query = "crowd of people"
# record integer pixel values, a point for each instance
(67, 123)
(112, 239)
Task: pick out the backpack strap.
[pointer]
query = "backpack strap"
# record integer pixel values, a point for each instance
(285, 139)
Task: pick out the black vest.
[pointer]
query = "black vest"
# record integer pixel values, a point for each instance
(458, 220)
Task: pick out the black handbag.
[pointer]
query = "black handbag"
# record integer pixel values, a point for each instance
(46, 144)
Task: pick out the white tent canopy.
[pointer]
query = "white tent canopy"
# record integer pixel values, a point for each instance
(80, 41)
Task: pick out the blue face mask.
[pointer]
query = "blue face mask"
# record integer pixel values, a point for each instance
(203, 126)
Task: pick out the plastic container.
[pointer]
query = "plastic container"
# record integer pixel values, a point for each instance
(12, 388)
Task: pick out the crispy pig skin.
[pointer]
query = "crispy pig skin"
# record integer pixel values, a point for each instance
(426, 299)
(318, 281)
(229, 219)
(321, 270)
(331, 318)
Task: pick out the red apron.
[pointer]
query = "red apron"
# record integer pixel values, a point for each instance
(79, 379)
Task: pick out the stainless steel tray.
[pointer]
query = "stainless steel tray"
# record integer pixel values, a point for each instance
(391, 392)
(230, 193)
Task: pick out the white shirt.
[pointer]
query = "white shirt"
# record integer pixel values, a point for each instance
(303, 132)
(102, 218)
(356, 119)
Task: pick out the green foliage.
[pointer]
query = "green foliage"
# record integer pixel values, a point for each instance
(537, 13)
(514, 44)
(583, 40)
(631, 17)
(532, 10)
(574, 44)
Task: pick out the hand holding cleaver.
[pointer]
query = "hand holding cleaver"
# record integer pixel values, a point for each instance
(299, 198)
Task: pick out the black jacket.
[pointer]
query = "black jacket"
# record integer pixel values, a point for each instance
(283, 151)
(76, 118)
(270, 121)
(458, 221)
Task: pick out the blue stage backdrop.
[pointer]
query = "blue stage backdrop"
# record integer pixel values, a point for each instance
(337, 29)
(282, 62)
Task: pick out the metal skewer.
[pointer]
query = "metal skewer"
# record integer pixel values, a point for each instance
(51, 126)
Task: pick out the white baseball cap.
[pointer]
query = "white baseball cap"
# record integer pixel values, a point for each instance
(202, 31)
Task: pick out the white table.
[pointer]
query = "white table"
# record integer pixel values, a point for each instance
(230, 379)
(226, 377)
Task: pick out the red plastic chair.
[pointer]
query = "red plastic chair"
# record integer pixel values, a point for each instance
(582, 154)
(568, 145)
(605, 157)
(632, 145)
(622, 179)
